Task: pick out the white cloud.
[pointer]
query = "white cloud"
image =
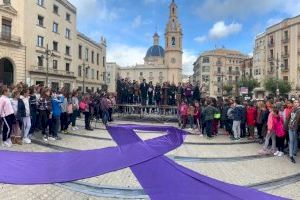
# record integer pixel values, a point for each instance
(126, 55)
(95, 10)
(188, 59)
(200, 39)
(221, 30)
(137, 21)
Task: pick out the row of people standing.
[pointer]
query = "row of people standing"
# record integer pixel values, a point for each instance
(146, 93)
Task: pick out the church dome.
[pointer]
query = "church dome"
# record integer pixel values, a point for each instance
(155, 51)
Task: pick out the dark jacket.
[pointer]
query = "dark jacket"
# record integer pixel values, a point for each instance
(144, 90)
(21, 109)
(239, 113)
(209, 112)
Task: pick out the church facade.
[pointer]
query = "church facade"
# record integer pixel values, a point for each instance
(161, 64)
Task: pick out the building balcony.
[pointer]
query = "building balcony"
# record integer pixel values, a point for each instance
(285, 55)
(271, 44)
(218, 73)
(285, 40)
(51, 71)
(285, 69)
(219, 63)
(10, 39)
(233, 73)
(271, 59)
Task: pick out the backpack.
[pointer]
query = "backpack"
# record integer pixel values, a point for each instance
(82, 105)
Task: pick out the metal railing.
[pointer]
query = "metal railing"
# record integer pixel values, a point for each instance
(10, 38)
(52, 71)
(285, 40)
(271, 44)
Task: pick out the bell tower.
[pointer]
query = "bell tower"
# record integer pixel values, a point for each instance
(173, 46)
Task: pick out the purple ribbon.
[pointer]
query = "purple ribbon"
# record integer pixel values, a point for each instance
(160, 177)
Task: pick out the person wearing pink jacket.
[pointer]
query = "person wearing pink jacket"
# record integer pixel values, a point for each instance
(7, 113)
(270, 135)
(279, 131)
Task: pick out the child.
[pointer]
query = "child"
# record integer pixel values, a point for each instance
(26, 118)
(191, 111)
(56, 102)
(183, 114)
(251, 120)
(279, 131)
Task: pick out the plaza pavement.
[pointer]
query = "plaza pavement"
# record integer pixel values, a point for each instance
(236, 163)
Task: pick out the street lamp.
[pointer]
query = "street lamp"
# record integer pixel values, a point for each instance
(84, 68)
(277, 74)
(49, 54)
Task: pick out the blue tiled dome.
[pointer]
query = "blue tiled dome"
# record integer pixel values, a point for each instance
(155, 51)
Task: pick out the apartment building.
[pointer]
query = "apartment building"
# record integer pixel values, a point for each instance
(277, 52)
(91, 63)
(44, 32)
(218, 67)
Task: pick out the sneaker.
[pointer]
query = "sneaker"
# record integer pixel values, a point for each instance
(58, 138)
(74, 128)
(52, 138)
(45, 138)
(201, 135)
(9, 141)
(280, 154)
(263, 152)
(293, 160)
(276, 153)
(6, 144)
(26, 141)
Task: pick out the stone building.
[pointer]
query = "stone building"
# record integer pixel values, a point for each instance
(277, 52)
(40, 45)
(112, 74)
(161, 64)
(216, 68)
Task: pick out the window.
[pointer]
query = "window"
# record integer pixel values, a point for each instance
(219, 79)
(236, 69)
(97, 58)
(68, 17)
(80, 52)
(104, 60)
(93, 73)
(40, 2)
(205, 78)
(286, 35)
(40, 20)
(97, 75)
(150, 74)
(86, 73)
(55, 46)
(40, 41)
(160, 74)
(206, 69)
(271, 40)
(6, 29)
(219, 90)
(55, 9)
(67, 67)
(141, 73)
(87, 54)
(205, 60)
(219, 69)
(68, 51)
(79, 71)
(92, 89)
(55, 27)
(286, 78)
(173, 42)
(286, 63)
(40, 61)
(55, 64)
(68, 33)
(271, 53)
(93, 57)
(286, 50)
(230, 69)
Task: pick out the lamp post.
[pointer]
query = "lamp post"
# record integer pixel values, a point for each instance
(49, 54)
(84, 68)
(277, 74)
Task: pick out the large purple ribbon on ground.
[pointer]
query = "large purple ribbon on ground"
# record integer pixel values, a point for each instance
(160, 177)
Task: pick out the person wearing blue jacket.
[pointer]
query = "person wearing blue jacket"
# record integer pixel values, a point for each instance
(237, 115)
(56, 102)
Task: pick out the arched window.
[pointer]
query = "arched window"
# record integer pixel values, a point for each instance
(173, 41)
(173, 10)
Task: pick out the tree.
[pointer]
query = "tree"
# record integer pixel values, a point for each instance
(250, 83)
(228, 88)
(283, 86)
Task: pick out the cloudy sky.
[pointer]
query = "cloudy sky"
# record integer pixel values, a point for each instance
(128, 25)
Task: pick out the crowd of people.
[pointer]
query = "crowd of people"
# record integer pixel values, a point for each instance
(26, 110)
(167, 94)
(275, 124)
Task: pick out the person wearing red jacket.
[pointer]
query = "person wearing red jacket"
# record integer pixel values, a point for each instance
(183, 109)
(251, 119)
